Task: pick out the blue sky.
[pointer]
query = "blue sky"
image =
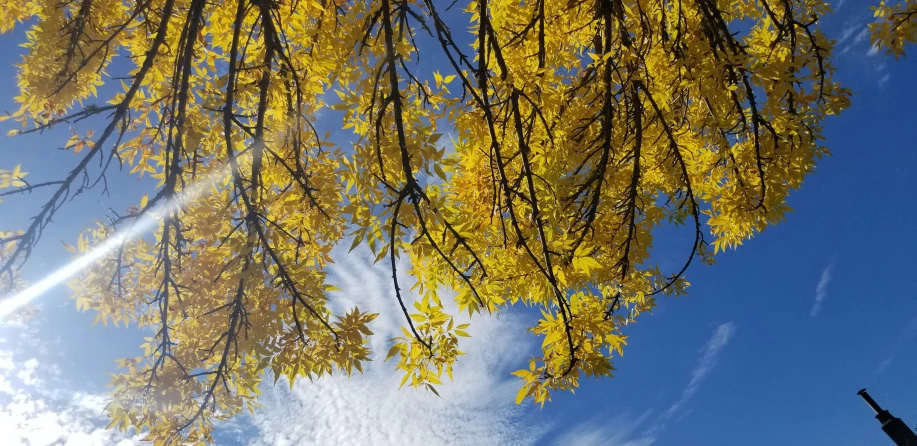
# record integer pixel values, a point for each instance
(769, 348)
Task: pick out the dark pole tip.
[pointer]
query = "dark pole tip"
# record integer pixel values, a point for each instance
(869, 401)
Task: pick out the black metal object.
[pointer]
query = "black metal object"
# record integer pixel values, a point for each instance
(899, 432)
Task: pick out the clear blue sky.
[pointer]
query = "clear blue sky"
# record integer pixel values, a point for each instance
(747, 358)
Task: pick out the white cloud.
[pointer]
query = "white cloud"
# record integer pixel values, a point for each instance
(477, 408)
(884, 80)
(620, 430)
(908, 332)
(26, 372)
(821, 291)
(873, 50)
(904, 339)
(847, 33)
(708, 360)
(857, 39)
(862, 35)
(884, 365)
(34, 413)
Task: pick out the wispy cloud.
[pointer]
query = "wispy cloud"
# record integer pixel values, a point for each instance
(884, 80)
(854, 26)
(620, 430)
(862, 35)
(847, 33)
(904, 340)
(876, 57)
(873, 50)
(908, 332)
(821, 291)
(884, 365)
(477, 408)
(708, 360)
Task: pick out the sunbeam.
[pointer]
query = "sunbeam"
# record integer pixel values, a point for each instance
(146, 223)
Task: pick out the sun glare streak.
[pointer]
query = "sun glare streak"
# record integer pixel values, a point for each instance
(147, 222)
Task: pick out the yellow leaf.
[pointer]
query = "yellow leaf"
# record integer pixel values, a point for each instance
(522, 393)
(439, 172)
(394, 350)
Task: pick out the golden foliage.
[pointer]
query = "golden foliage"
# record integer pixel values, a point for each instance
(895, 27)
(576, 129)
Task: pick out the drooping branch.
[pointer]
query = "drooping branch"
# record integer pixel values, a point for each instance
(30, 237)
(689, 191)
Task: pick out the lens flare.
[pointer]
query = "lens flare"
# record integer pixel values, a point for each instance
(145, 223)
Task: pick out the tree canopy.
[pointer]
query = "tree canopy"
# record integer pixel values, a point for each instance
(577, 129)
(895, 26)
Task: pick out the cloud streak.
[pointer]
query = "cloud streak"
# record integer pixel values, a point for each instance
(883, 81)
(821, 291)
(622, 430)
(855, 32)
(862, 35)
(847, 33)
(873, 50)
(880, 369)
(708, 360)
